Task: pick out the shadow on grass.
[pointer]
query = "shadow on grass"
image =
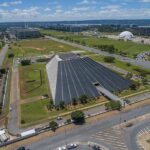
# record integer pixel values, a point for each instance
(41, 82)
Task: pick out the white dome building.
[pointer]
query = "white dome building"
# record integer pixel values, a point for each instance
(126, 35)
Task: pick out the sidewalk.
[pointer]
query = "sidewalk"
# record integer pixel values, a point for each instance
(13, 117)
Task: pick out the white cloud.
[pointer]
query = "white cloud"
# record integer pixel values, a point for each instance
(145, 1)
(80, 9)
(47, 9)
(6, 4)
(85, 2)
(78, 12)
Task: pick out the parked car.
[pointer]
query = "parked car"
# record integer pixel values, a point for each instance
(71, 146)
(59, 118)
(21, 148)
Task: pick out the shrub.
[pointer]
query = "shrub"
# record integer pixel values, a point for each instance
(23, 122)
(11, 55)
(113, 105)
(134, 85)
(25, 62)
(109, 59)
(83, 99)
(2, 70)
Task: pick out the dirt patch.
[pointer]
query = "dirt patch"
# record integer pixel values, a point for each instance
(37, 48)
(61, 46)
(143, 140)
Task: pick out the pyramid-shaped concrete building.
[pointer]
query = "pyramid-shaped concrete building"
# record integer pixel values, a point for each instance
(71, 76)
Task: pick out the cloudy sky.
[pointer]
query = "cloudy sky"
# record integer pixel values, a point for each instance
(54, 10)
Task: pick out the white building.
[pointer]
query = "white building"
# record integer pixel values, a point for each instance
(126, 35)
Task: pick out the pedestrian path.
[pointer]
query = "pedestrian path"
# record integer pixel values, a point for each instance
(113, 136)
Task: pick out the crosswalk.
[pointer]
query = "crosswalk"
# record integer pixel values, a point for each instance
(144, 131)
(112, 136)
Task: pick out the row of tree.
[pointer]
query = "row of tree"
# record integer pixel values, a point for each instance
(107, 48)
(83, 99)
(78, 117)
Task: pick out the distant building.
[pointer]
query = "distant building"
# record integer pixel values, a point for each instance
(126, 35)
(142, 31)
(23, 33)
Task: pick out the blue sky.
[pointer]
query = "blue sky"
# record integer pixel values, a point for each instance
(58, 10)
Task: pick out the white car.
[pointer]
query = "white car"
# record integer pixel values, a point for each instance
(62, 148)
(73, 145)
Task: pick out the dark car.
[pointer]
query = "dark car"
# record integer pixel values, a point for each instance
(21, 148)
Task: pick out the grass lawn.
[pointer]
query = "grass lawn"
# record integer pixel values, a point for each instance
(118, 63)
(129, 47)
(33, 81)
(129, 91)
(39, 109)
(36, 47)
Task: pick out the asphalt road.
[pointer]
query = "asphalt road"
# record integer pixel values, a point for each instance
(13, 117)
(84, 132)
(132, 133)
(3, 53)
(124, 59)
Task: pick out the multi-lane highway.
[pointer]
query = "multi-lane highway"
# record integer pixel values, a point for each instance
(143, 64)
(92, 132)
(131, 135)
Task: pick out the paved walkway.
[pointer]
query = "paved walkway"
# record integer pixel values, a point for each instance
(13, 118)
(3, 53)
(139, 97)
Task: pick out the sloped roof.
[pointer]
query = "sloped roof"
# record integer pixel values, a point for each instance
(79, 76)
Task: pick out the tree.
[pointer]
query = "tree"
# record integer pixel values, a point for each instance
(144, 81)
(53, 125)
(50, 105)
(109, 59)
(74, 102)
(113, 105)
(25, 62)
(62, 104)
(11, 55)
(129, 75)
(134, 85)
(78, 116)
(128, 64)
(2, 70)
(83, 99)
(68, 121)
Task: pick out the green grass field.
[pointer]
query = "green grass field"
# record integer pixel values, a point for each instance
(118, 63)
(33, 81)
(38, 47)
(129, 47)
(39, 109)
